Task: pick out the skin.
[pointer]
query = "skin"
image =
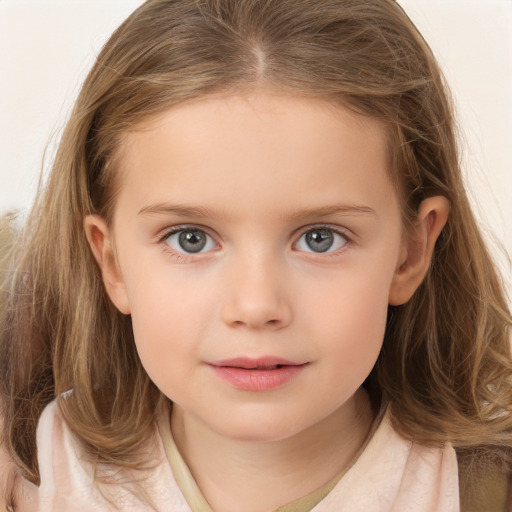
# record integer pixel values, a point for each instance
(256, 173)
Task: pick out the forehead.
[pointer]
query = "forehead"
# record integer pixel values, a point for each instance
(237, 146)
(254, 109)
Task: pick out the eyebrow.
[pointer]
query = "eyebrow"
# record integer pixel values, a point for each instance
(194, 212)
(327, 211)
(177, 209)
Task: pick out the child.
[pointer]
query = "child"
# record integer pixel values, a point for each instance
(253, 281)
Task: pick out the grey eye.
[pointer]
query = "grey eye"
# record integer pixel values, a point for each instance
(190, 241)
(321, 240)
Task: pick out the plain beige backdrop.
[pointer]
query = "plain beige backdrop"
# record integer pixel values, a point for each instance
(47, 46)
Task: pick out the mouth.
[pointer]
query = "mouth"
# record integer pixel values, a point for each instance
(262, 363)
(261, 374)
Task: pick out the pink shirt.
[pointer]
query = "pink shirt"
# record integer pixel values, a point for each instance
(391, 474)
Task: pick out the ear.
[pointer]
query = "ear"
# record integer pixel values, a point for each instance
(418, 249)
(102, 247)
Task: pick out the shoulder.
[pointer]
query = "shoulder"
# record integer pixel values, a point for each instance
(16, 493)
(69, 477)
(67, 474)
(59, 455)
(485, 479)
(395, 473)
(65, 482)
(6, 478)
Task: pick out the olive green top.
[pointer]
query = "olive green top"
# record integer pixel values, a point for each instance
(198, 503)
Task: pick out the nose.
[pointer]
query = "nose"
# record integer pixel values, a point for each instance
(256, 295)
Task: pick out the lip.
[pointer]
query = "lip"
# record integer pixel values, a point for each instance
(257, 374)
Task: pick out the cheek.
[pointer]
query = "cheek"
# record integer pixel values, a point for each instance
(161, 345)
(359, 322)
(352, 320)
(169, 322)
(353, 354)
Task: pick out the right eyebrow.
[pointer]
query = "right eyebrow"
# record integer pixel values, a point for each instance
(177, 209)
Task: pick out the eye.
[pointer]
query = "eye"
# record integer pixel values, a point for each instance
(321, 240)
(190, 241)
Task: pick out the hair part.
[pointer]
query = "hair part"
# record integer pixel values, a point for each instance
(445, 366)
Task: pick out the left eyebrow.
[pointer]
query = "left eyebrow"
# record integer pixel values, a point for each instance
(327, 211)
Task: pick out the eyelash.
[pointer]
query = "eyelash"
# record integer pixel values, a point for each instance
(334, 229)
(183, 257)
(180, 257)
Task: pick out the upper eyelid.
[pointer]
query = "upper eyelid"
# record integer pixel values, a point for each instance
(345, 232)
(166, 232)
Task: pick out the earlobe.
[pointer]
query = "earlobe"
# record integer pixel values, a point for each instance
(101, 244)
(417, 253)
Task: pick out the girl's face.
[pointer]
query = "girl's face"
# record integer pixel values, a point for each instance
(257, 239)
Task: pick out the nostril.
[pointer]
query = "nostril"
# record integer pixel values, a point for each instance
(255, 312)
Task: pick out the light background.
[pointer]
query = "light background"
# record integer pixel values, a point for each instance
(47, 46)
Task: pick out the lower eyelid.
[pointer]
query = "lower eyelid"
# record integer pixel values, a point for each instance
(179, 257)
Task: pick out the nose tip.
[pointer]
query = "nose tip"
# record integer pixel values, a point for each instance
(257, 302)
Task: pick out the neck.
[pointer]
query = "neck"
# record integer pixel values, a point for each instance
(257, 476)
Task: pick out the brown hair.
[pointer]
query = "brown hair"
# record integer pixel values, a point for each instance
(445, 366)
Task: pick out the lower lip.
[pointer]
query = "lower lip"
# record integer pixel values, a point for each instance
(258, 380)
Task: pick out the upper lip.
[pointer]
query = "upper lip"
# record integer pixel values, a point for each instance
(260, 363)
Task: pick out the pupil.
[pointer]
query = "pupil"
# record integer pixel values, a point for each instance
(320, 240)
(192, 241)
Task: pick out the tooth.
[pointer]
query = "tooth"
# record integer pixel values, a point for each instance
(273, 367)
